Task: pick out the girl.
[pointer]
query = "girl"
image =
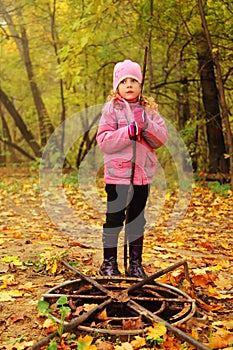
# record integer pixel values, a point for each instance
(122, 122)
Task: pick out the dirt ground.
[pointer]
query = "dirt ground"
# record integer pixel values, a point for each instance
(28, 239)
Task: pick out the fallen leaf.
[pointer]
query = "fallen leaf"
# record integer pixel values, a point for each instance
(104, 345)
(223, 282)
(17, 234)
(8, 280)
(88, 307)
(224, 245)
(138, 343)
(103, 315)
(158, 330)
(49, 326)
(132, 324)
(202, 280)
(11, 258)
(124, 346)
(227, 324)
(85, 342)
(221, 339)
(45, 236)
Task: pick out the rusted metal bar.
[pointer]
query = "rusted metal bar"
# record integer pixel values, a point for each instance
(162, 299)
(70, 326)
(73, 296)
(154, 318)
(113, 332)
(157, 289)
(156, 275)
(87, 279)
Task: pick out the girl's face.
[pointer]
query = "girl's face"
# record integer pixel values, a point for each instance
(129, 89)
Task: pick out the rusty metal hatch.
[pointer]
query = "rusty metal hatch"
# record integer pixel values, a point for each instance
(122, 306)
(125, 301)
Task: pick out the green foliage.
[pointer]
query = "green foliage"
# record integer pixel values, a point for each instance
(151, 341)
(44, 308)
(64, 311)
(38, 265)
(74, 263)
(71, 178)
(219, 189)
(74, 46)
(52, 345)
(211, 336)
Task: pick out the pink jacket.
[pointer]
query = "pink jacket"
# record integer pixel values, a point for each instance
(113, 139)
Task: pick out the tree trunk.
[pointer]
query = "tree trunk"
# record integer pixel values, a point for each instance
(28, 136)
(222, 101)
(183, 106)
(55, 38)
(46, 127)
(217, 162)
(21, 40)
(150, 40)
(3, 145)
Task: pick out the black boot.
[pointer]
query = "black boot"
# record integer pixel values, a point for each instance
(109, 266)
(135, 259)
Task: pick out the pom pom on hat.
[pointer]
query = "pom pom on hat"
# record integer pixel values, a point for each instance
(126, 69)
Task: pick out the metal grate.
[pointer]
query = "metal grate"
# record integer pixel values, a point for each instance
(125, 306)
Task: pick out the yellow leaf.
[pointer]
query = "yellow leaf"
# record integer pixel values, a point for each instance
(146, 257)
(103, 315)
(158, 330)
(87, 340)
(224, 245)
(88, 307)
(45, 236)
(226, 155)
(11, 258)
(195, 334)
(212, 291)
(15, 293)
(8, 296)
(4, 296)
(168, 196)
(7, 280)
(226, 324)
(54, 267)
(216, 268)
(138, 343)
(17, 234)
(48, 323)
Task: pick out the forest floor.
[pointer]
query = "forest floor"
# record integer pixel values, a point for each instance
(32, 247)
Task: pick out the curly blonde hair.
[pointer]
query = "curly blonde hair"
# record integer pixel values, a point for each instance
(147, 102)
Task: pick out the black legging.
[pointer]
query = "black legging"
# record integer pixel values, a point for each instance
(117, 196)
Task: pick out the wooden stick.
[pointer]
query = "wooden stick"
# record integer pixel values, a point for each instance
(134, 140)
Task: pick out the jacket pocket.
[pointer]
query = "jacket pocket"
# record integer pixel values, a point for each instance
(150, 164)
(119, 168)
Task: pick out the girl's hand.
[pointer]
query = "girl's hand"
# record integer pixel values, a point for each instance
(134, 130)
(140, 117)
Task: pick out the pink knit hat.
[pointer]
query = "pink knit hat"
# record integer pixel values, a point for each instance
(126, 69)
